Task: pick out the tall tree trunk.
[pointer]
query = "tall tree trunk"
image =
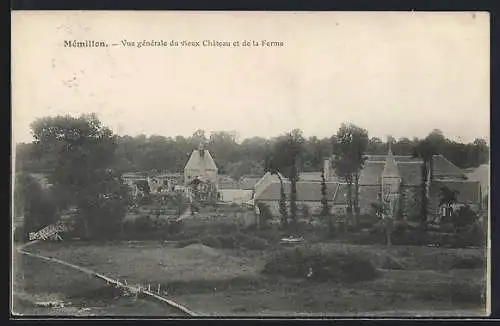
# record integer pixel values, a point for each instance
(293, 197)
(282, 203)
(356, 200)
(325, 211)
(349, 201)
(424, 203)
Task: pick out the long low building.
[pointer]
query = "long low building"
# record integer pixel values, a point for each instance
(381, 174)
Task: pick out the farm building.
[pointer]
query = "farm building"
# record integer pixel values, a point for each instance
(308, 195)
(383, 176)
(201, 166)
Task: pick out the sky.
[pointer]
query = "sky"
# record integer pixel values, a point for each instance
(393, 73)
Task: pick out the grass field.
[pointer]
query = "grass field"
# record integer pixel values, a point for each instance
(228, 282)
(37, 281)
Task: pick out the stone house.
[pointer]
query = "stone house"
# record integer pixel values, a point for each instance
(308, 195)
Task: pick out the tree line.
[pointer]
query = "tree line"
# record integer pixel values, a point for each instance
(159, 153)
(83, 160)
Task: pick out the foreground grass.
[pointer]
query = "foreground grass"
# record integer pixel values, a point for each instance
(40, 281)
(229, 282)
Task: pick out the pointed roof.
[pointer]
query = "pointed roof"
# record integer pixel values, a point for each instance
(390, 167)
(201, 160)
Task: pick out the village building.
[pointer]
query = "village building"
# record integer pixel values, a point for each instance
(201, 166)
(384, 177)
(164, 182)
(130, 178)
(237, 191)
(308, 196)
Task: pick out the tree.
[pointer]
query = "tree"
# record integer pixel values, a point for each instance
(325, 210)
(402, 213)
(349, 149)
(180, 201)
(447, 198)
(382, 209)
(275, 165)
(265, 215)
(295, 142)
(35, 204)
(403, 146)
(83, 151)
(376, 146)
(425, 151)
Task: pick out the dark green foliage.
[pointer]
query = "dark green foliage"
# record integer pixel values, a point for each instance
(425, 149)
(468, 262)
(335, 266)
(81, 152)
(464, 218)
(37, 205)
(325, 210)
(210, 241)
(159, 153)
(350, 147)
(265, 214)
(254, 243)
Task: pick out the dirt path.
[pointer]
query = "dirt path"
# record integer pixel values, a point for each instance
(109, 280)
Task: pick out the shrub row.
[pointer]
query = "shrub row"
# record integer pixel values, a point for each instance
(319, 266)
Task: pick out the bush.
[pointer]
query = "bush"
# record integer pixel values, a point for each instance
(211, 241)
(228, 241)
(464, 218)
(254, 243)
(367, 221)
(447, 227)
(338, 266)
(471, 262)
(410, 238)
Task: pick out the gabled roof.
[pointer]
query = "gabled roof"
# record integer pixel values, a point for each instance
(201, 160)
(371, 173)
(443, 168)
(397, 158)
(310, 176)
(411, 173)
(306, 191)
(409, 169)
